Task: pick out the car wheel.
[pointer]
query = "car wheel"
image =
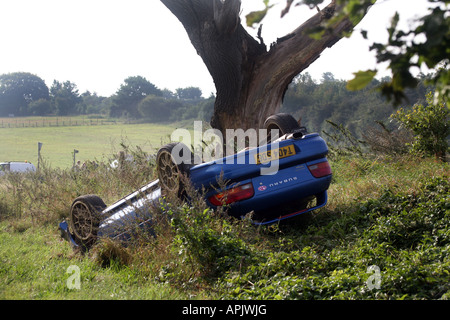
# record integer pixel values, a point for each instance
(171, 170)
(283, 122)
(85, 218)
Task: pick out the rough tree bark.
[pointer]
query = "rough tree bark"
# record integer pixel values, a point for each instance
(250, 80)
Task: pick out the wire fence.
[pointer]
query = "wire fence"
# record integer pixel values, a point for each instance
(53, 122)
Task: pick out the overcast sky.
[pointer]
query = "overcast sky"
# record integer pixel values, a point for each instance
(96, 44)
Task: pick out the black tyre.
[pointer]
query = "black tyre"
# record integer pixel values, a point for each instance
(171, 166)
(283, 122)
(85, 218)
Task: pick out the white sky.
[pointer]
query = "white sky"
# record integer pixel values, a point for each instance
(96, 44)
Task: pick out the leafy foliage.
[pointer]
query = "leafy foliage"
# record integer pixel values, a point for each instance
(315, 103)
(18, 90)
(130, 94)
(404, 235)
(404, 50)
(361, 80)
(209, 240)
(430, 125)
(403, 54)
(65, 98)
(257, 16)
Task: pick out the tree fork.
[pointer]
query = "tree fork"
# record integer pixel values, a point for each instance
(251, 81)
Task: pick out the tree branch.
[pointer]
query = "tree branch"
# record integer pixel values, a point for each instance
(292, 54)
(299, 47)
(250, 80)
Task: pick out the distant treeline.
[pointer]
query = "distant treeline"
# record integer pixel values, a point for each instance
(315, 102)
(25, 94)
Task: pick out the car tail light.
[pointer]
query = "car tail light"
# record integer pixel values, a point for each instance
(320, 169)
(233, 195)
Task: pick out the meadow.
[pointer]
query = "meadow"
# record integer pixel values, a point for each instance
(383, 235)
(93, 140)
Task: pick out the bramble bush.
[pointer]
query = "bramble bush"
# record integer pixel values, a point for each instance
(212, 242)
(406, 236)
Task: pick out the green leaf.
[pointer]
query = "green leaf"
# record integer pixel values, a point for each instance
(257, 16)
(361, 80)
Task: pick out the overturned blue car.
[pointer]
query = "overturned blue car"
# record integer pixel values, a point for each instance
(287, 176)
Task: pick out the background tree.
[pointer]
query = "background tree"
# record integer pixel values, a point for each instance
(131, 92)
(65, 98)
(41, 107)
(316, 102)
(92, 102)
(251, 80)
(18, 90)
(189, 93)
(158, 109)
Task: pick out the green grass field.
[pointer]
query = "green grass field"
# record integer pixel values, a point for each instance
(93, 142)
(36, 264)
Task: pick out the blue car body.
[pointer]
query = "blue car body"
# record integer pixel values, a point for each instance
(302, 176)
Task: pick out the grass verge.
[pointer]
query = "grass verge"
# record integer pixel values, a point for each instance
(383, 235)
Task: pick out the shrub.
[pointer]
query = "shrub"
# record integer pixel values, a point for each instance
(385, 141)
(430, 125)
(158, 109)
(209, 241)
(4, 210)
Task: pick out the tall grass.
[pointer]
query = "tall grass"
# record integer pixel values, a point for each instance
(390, 213)
(45, 195)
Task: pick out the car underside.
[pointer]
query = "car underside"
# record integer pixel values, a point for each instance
(283, 178)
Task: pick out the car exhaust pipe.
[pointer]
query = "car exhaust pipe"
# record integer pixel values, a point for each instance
(297, 134)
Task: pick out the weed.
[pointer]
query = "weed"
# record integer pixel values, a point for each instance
(108, 253)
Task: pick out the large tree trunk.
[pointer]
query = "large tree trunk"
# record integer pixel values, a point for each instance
(250, 81)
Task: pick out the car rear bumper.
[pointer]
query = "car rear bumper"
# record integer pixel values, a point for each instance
(286, 194)
(321, 200)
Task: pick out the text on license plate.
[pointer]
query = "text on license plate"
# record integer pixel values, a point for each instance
(275, 154)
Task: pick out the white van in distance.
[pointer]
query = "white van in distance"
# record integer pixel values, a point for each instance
(14, 166)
